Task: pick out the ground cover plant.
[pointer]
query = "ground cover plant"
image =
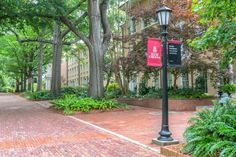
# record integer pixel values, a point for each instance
(71, 103)
(212, 133)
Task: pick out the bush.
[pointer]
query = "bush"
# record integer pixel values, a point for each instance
(182, 93)
(113, 91)
(71, 103)
(79, 91)
(212, 133)
(228, 88)
(41, 95)
(7, 89)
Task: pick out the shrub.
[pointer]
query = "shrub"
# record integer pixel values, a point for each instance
(79, 91)
(70, 103)
(212, 133)
(41, 95)
(113, 91)
(7, 89)
(26, 94)
(228, 88)
(178, 93)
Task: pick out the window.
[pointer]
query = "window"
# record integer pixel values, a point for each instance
(155, 82)
(170, 80)
(147, 22)
(185, 81)
(133, 25)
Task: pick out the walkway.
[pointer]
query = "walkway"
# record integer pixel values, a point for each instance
(29, 129)
(139, 124)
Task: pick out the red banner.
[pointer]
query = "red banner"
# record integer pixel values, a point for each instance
(154, 52)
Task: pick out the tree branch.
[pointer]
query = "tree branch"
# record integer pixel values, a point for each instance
(73, 28)
(36, 40)
(30, 40)
(65, 32)
(105, 25)
(75, 7)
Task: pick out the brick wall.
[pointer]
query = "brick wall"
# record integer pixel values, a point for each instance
(174, 104)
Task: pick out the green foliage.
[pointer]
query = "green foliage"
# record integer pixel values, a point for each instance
(143, 88)
(47, 95)
(71, 103)
(219, 16)
(179, 93)
(200, 83)
(228, 88)
(78, 91)
(6, 83)
(212, 133)
(7, 89)
(113, 90)
(41, 95)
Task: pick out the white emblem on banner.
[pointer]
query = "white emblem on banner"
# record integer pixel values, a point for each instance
(154, 53)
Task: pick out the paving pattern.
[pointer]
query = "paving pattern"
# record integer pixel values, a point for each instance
(29, 129)
(140, 124)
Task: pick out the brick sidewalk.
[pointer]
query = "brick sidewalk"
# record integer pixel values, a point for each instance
(28, 129)
(140, 124)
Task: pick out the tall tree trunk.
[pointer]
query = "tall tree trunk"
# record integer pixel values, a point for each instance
(29, 83)
(56, 66)
(78, 68)
(21, 82)
(67, 71)
(40, 67)
(96, 53)
(17, 85)
(24, 87)
(192, 84)
(96, 88)
(175, 81)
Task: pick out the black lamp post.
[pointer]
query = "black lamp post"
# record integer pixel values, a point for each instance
(164, 17)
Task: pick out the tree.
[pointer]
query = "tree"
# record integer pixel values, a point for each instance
(64, 13)
(97, 43)
(219, 17)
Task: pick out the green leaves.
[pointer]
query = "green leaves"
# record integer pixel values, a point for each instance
(70, 103)
(212, 133)
(219, 17)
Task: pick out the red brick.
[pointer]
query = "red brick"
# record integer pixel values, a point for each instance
(28, 129)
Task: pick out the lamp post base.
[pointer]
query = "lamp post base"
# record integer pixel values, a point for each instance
(164, 143)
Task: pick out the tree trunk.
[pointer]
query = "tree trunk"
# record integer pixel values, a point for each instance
(21, 82)
(78, 68)
(17, 85)
(67, 71)
(96, 52)
(56, 66)
(96, 88)
(175, 81)
(29, 83)
(24, 87)
(40, 67)
(192, 79)
(108, 80)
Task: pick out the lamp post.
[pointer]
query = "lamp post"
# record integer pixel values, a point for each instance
(165, 135)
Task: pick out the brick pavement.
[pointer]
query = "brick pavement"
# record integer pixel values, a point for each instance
(140, 124)
(28, 129)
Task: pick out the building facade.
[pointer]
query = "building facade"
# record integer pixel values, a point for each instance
(136, 25)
